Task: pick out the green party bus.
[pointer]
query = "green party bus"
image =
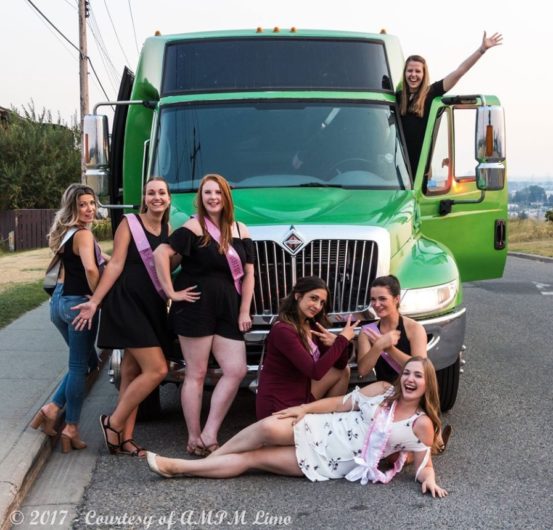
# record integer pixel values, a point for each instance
(305, 126)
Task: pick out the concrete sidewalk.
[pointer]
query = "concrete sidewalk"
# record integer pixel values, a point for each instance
(33, 358)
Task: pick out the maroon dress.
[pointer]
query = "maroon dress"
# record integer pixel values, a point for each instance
(288, 368)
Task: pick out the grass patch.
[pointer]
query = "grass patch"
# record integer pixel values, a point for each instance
(19, 298)
(531, 236)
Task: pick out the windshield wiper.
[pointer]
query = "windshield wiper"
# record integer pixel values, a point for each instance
(319, 185)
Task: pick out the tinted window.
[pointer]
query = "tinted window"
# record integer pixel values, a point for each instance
(280, 143)
(287, 64)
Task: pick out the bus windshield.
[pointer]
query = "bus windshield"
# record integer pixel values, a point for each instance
(281, 143)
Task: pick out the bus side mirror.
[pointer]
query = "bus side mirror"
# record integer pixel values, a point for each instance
(490, 148)
(96, 152)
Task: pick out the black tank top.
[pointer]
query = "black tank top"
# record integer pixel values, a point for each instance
(384, 372)
(75, 278)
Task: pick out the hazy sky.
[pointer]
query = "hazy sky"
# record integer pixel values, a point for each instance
(37, 64)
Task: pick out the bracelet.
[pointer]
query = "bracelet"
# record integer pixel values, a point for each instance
(482, 50)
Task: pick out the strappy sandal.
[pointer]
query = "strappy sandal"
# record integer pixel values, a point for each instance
(140, 452)
(112, 448)
(446, 433)
(196, 450)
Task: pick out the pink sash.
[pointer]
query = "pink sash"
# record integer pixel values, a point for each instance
(385, 355)
(233, 259)
(145, 251)
(373, 449)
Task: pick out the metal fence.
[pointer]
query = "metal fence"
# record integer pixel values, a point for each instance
(25, 229)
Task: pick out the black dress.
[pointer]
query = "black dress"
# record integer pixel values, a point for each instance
(384, 372)
(216, 311)
(133, 314)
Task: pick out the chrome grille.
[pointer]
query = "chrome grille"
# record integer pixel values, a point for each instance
(347, 266)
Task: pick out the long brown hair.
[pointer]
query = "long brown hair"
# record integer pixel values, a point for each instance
(68, 214)
(288, 310)
(430, 400)
(227, 216)
(144, 208)
(416, 103)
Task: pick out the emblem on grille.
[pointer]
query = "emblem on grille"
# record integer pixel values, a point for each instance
(293, 242)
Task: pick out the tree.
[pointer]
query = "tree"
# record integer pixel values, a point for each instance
(529, 195)
(549, 216)
(39, 158)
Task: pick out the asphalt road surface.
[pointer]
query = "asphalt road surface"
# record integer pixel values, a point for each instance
(497, 468)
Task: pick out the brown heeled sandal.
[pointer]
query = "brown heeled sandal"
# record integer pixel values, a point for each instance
(71, 442)
(112, 448)
(46, 423)
(140, 452)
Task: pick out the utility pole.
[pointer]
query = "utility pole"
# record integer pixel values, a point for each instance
(83, 73)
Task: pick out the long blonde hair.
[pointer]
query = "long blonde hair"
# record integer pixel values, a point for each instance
(144, 208)
(430, 400)
(416, 103)
(227, 217)
(68, 214)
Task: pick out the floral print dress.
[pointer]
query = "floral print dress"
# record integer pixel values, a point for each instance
(326, 444)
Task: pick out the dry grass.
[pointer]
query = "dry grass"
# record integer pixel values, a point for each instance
(531, 236)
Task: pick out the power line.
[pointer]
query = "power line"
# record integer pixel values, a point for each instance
(73, 45)
(133, 28)
(116, 34)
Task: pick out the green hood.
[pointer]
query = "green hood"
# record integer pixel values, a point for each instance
(392, 210)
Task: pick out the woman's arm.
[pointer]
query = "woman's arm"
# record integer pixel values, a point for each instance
(248, 283)
(331, 404)
(109, 277)
(487, 42)
(418, 342)
(162, 257)
(83, 246)
(424, 431)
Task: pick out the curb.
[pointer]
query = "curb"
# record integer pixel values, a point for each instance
(29, 456)
(533, 257)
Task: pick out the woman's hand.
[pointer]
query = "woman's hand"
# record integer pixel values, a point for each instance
(382, 341)
(430, 486)
(325, 336)
(489, 42)
(349, 329)
(244, 321)
(297, 413)
(87, 311)
(186, 295)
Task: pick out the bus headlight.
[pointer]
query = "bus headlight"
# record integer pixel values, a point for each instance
(429, 299)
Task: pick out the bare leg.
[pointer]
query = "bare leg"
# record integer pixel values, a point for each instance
(278, 460)
(231, 357)
(130, 370)
(195, 351)
(334, 383)
(269, 431)
(153, 367)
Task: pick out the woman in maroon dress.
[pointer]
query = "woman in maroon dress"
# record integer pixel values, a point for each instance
(304, 361)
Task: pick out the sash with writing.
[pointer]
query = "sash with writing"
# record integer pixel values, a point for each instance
(145, 251)
(233, 259)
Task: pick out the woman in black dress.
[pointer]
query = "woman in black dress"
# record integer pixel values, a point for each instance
(211, 304)
(133, 317)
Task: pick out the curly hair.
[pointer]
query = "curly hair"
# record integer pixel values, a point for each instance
(68, 214)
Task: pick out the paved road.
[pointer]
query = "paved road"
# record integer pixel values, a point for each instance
(498, 467)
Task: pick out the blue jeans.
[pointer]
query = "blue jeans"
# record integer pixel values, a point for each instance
(82, 353)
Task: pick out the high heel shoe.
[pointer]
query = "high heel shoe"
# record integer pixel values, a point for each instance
(71, 442)
(112, 448)
(47, 424)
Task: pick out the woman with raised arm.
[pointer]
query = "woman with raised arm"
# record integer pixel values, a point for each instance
(339, 437)
(134, 313)
(304, 361)
(416, 94)
(211, 298)
(71, 236)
